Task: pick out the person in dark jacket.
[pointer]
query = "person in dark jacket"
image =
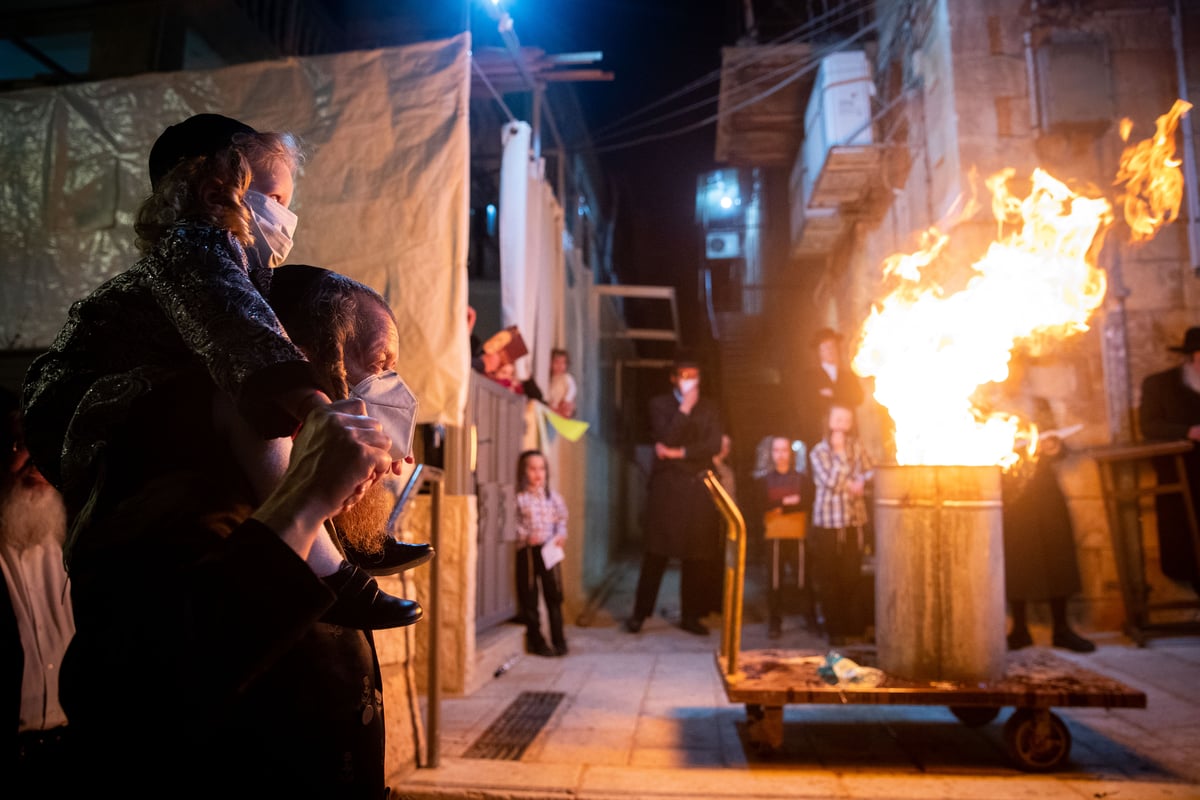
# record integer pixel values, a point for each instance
(1040, 562)
(681, 520)
(819, 384)
(1170, 409)
(230, 681)
(782, 489)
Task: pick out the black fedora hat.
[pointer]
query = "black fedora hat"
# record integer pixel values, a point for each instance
(1191, 342)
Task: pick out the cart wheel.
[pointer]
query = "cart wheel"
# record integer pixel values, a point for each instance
(975, 716)
(764, 727)
(1036, 739)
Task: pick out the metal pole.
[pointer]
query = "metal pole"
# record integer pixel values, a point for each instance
(434, 714)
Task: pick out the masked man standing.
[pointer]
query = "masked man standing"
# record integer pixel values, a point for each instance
(680, 518)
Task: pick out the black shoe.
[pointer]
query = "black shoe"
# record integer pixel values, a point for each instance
(1070, 640)
(695, 626)
(396, 556)
(362, 604)
(561, 649)
(1019, 638)
(634, 624)
(541, 649)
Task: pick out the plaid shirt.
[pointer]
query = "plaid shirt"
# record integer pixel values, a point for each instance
(540, 518)
(834, 506)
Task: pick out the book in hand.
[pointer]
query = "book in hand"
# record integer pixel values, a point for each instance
(508, 343)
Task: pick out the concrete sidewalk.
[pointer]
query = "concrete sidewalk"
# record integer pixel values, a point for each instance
(645, 716)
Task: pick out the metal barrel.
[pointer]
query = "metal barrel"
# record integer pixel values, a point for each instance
(939, 573)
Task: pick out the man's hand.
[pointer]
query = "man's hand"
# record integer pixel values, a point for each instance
(1194, 433)
(339, 454)
(664, 452)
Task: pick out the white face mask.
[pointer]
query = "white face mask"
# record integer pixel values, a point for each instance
(390, 402)
(274, 226)
(688, 384)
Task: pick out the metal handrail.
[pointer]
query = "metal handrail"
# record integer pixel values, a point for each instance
(735, 573)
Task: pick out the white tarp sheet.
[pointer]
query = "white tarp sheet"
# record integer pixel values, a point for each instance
(383, 196)
(531, 254)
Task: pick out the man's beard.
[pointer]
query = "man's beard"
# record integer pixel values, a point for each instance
(365, 524)
(31, 515)
(1191, 376)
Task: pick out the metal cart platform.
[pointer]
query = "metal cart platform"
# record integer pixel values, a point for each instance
(1034, 681)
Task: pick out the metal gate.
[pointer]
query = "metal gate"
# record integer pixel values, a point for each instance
(499, 419)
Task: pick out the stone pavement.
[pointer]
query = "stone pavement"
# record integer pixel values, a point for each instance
(645, 716)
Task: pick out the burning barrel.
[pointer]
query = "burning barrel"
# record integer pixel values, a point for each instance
(939, 579)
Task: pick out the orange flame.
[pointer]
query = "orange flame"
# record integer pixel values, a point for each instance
(1150, 172)
(930, 349)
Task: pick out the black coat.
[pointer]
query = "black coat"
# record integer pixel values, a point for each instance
(1169, 408)
(1040, 561)
(681, 520)
(815, 393)
(200, 667)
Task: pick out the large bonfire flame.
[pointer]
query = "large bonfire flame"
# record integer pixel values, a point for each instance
(930, 347)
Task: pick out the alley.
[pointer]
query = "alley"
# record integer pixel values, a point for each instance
(645, 716)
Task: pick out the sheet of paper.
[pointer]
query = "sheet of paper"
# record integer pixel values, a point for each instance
(551, 554)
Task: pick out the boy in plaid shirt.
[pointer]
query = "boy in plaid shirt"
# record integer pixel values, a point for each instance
(841, 468)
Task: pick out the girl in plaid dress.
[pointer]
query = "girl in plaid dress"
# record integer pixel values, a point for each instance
(541, 531)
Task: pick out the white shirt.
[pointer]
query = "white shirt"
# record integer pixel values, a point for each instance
(562, 389)
(37, 585)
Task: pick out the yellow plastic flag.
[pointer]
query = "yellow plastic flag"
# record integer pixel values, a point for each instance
(571, 429)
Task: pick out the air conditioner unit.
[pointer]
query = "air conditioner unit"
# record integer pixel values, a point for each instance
(722, 244)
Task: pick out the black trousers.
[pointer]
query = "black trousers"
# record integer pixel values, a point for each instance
(42, 766)
(531, 571)
(694, 579)
(835, 565)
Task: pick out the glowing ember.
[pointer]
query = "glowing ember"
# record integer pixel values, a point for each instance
(930, 348)
(1150, 172)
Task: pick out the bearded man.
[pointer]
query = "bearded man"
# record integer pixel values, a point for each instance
(36, 620)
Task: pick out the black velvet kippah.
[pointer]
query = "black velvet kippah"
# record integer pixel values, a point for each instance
(200, 135)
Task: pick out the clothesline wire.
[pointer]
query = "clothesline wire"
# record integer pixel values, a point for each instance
(819, 25)
(808, 67)
(482, 76)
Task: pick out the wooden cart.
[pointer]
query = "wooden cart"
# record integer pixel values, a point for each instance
(1034, 681)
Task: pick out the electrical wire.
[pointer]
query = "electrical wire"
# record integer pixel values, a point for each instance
(814, 27)
(796, 75)
(479, 71)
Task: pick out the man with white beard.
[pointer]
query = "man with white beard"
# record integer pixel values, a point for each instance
(36, 620)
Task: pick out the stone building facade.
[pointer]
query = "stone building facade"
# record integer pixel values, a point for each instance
(969, 87)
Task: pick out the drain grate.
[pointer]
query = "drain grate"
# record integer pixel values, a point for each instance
(507, 737)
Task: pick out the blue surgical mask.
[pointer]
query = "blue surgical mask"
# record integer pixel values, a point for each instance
(273, 225)
(390, 402)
